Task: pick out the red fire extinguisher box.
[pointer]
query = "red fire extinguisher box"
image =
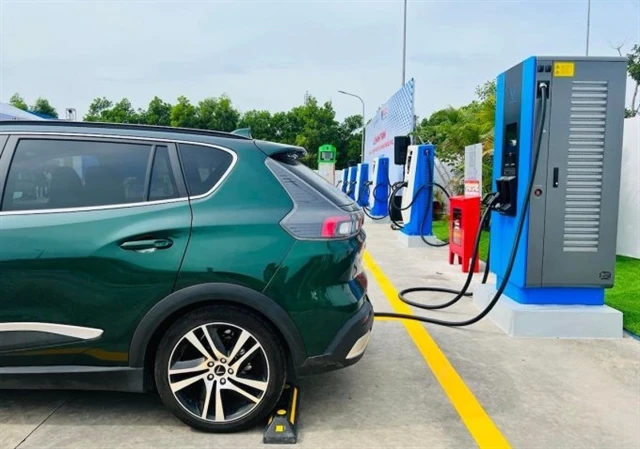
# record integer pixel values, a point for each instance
(464, 221)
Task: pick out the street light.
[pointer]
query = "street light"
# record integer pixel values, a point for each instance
(361, 101)
(404, 43)
(588, 24)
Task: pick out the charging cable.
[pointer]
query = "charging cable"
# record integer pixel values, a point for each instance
(514, 248)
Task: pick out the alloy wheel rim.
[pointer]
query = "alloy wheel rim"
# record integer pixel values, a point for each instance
(218, 372)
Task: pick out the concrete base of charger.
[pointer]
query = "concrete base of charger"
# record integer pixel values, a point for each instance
(549, 321)
(383, 220)
(415, 241)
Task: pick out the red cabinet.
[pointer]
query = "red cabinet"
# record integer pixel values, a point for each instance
(464, 221)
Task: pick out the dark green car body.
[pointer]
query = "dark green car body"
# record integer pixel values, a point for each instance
(72, 266)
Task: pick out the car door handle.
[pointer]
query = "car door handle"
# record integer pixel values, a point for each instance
(136, 245)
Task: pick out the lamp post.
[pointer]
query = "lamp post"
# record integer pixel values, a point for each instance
(404, 43)
(588, 24)
(361, 101)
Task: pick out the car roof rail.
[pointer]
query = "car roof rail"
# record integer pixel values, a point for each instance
(129, 126)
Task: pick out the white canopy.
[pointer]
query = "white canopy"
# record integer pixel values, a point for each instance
(8, 112)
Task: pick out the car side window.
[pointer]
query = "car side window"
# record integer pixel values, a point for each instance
(203, 167)
(59, 174)
(163, 184)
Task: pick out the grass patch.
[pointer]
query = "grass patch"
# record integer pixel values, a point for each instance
(441, 231)
(624, 296)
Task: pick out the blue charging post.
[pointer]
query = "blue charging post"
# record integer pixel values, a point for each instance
(566, 252)
(417, 199)
(379, 199)
(351, 184)
(362, 190)
(345, 180)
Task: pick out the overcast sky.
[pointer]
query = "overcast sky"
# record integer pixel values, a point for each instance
(266, 54)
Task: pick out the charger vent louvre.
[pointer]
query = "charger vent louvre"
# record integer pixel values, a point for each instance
(585, 165)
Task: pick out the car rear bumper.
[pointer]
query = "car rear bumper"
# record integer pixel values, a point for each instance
(348, 346)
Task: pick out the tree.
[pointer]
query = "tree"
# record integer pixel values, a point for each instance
(183, 114)
(217, 114)
(17, 101)
(313, 125)
(486, 91)
(104, 110)
(260, 122)
(452, 129)
(633, 67)
(122, 112)
(42, 106)
(97, 108)
(158, 113)
(349, 144)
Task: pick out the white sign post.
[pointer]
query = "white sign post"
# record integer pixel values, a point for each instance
(473, 170)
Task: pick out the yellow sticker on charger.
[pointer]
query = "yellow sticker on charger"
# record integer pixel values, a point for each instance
(564, 69)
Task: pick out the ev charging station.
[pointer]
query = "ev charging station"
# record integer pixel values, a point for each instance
(379, 198)
(567, 248)
(345, 180)
(351, 183)
(362, 179)
(327, 163)
(417, 199)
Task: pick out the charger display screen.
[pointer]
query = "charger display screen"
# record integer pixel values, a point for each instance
(510, 150)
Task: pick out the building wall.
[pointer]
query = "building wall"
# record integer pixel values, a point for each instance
(628, 243)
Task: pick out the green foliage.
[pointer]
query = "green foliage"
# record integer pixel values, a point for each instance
(452, 129)
(98, 109)
(218, 114)
(158, 113)
(261, 124)
(17, 101)
(42, 106)
(633, 65)
(309, 125)
(349, 143)
(184, 114)
(626, 291)
(103, 110)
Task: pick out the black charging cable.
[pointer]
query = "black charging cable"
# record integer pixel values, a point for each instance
(489, 200)
(426, 214)
(514, 248)
(375, 197)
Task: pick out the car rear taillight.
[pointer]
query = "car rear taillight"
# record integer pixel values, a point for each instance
(314, 216)
(343, 226)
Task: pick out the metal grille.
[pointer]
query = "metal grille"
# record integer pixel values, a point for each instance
(585, 166)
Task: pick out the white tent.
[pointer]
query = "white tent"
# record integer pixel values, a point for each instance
(8, 112)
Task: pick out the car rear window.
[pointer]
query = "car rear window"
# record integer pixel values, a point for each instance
(334, 194)
(203, 167)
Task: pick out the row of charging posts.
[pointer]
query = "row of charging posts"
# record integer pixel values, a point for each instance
(553, 223)
(372, 195)
(418, 193)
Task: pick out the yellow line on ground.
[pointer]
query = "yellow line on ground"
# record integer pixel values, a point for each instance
(475, 418)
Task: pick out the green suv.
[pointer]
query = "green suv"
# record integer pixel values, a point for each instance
(209, 266)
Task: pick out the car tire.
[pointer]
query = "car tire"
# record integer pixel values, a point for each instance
(188, 369)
